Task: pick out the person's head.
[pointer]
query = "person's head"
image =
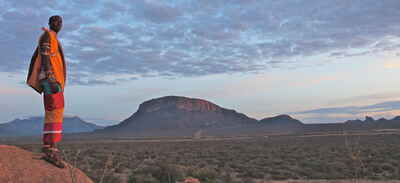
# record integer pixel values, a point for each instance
(55, 23)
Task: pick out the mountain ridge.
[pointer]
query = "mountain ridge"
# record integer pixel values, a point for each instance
(34, 126)
(185, 116)
(188, 115)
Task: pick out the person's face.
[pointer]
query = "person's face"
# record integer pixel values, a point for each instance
(56, 25)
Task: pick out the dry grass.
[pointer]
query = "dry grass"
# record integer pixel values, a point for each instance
(325, 159)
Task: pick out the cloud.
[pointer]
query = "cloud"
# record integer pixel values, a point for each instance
(147, 38)
(342, 117)
(160, 13)
(366, 99)
(13, 91)
(392, 65)
(385, 106)
(335, 114)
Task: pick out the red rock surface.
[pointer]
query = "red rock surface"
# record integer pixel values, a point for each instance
(183, 103)
(20, 166)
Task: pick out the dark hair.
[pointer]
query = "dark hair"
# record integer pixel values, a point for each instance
(55, 18)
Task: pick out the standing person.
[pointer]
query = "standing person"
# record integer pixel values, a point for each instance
(47, 75)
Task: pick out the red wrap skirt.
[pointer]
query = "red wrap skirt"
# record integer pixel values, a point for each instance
(54, 112)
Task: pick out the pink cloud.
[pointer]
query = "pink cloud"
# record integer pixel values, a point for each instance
(14, 91)
(392, 65)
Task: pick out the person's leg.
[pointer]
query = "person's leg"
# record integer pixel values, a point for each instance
(54, 111)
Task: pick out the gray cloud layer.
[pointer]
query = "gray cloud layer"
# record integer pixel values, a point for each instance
(340, 114)
(380, 107)
(147, 38)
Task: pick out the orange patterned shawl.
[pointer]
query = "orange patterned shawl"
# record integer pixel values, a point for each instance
(57, 62)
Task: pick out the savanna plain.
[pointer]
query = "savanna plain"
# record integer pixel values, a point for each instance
(370, 158)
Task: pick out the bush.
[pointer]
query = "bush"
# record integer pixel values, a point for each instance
(205, 175)
(167, 173)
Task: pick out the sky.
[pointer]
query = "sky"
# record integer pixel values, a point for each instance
(318, 61)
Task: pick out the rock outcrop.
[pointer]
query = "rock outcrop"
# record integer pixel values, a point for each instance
(20, 166)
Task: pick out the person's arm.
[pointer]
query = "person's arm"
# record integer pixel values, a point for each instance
(44, 48)
(34, 56)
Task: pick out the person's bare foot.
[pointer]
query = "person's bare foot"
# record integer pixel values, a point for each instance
(53, 156)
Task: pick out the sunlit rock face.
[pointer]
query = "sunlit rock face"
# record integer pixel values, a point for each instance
(178, 103)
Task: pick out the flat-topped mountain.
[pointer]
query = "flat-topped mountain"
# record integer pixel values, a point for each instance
(183, 116)
(34, 126)
(174, 113)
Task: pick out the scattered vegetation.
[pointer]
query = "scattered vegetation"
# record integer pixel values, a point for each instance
(242, 160)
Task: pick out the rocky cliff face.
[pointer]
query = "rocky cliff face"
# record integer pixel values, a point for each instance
(17, 165)
(169, 103)
(173, 113)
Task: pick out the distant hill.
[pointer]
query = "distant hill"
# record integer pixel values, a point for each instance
(281, 120)
(34, 126)
(371, 123)
(355, 125)
(177, 116)
(280, 124)
(182, 116)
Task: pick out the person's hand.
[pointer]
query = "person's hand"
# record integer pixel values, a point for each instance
(52, 81)
(50, 76)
